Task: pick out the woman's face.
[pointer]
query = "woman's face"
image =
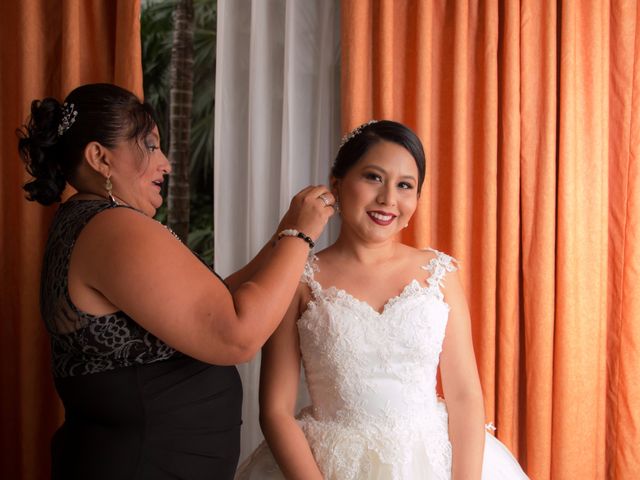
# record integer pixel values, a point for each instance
(379, 194)
(138, 171)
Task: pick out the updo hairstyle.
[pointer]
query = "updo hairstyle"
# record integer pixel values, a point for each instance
(359, 141)
(106, 114)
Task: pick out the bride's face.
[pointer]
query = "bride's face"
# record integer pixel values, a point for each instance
(379, 194)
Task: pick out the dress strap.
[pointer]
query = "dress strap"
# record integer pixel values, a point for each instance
(439, 266)
(308, 275)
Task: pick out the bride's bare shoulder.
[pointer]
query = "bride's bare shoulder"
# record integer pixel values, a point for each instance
(414, 255)
(425, 255)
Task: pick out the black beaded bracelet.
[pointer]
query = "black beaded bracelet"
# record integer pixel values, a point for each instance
(290, 232)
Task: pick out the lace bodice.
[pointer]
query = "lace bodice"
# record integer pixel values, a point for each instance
(377, 371)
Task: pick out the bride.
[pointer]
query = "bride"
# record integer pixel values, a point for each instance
(371, 321)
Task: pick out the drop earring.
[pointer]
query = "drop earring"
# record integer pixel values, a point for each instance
(109, 187)
(336, 206)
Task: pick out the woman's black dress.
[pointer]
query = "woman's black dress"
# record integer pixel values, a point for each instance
(134, 407)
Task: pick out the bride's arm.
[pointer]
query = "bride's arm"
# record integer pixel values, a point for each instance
(461, 385)
(279, 377)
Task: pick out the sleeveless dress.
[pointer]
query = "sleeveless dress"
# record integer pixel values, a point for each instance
(134, 407)
(372, 382)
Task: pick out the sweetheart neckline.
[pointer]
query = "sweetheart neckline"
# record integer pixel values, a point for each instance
(413, 287)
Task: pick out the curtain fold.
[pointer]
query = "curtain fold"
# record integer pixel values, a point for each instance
(579, 353)
(623, 328)
(277, 127)
(538, 83)
(48, 48)
(529, 115)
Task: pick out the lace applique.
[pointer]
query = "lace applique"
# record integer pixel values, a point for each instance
(439, 266)
(310, 268)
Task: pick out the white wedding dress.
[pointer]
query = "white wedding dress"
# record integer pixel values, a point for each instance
(375, 414)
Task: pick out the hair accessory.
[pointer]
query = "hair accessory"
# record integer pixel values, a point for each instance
(69, 115)
(355, 132)
(290, 232)
(108, 187)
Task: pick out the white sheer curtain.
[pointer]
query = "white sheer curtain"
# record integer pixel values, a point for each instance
(277, 127)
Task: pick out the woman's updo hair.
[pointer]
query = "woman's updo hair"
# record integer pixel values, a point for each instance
(52, 142)
(357, 142)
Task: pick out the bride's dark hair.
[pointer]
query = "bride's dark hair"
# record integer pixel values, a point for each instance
(359, 141)
(106, 114)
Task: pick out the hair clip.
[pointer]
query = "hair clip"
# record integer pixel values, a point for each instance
(69, 115)
(355, 132)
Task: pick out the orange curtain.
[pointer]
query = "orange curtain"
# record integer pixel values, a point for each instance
(530, 115)
(48, 48)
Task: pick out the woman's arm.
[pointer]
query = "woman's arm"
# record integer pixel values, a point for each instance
(279, 377)
(461, 385)
(140, 268)
(234, 280)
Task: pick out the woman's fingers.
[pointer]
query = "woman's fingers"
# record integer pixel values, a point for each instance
(308, 211)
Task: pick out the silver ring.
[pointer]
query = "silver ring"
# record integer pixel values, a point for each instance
(324, 200)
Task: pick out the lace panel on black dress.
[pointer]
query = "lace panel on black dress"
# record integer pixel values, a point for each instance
(81, 343)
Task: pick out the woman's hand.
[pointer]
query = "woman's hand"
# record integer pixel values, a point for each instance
(309, 211)
(307, 214)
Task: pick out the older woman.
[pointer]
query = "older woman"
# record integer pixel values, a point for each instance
(144, 335)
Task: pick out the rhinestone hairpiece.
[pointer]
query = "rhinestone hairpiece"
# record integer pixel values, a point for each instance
(355, 132)
(69, 115)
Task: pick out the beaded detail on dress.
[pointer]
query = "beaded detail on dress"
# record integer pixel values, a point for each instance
(82, 343)
(372, 379)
